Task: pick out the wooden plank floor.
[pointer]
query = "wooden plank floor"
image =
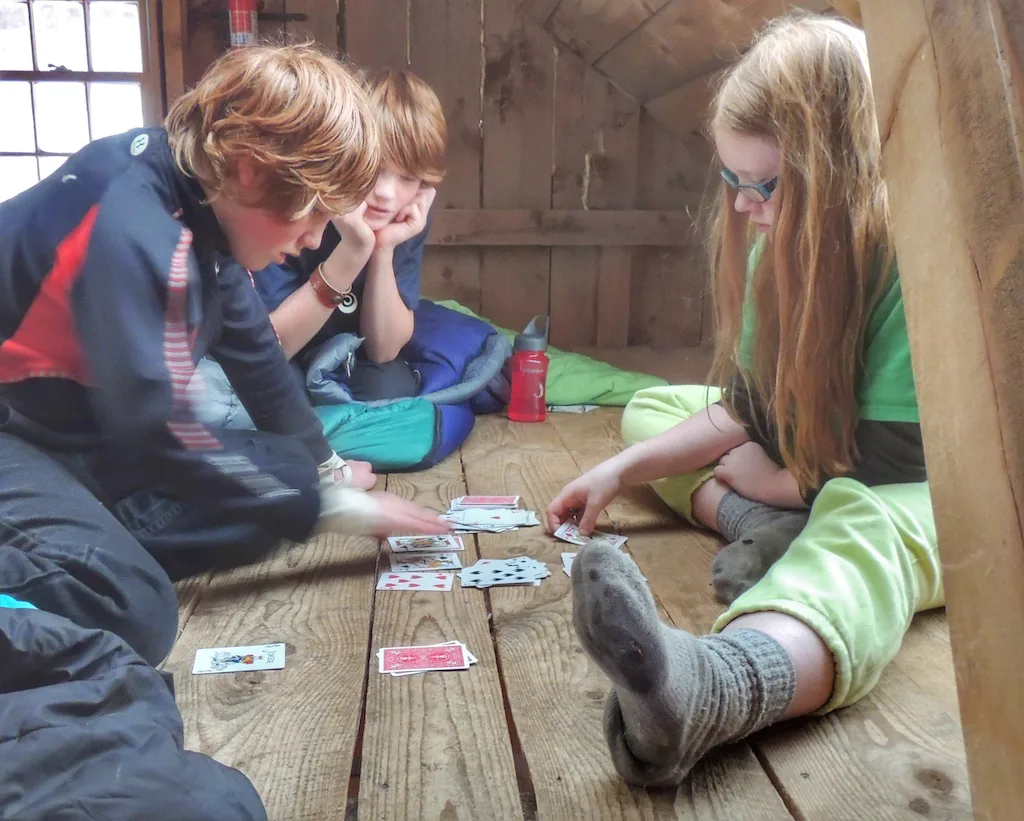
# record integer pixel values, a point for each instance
(519, 735)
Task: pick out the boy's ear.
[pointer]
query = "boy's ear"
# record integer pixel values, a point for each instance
(248, 177)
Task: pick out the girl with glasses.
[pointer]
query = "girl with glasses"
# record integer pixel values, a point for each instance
(808, 459)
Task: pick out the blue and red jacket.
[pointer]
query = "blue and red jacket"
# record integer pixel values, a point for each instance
(115, 279)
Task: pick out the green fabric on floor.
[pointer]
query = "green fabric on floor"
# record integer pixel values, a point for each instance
(574, 379)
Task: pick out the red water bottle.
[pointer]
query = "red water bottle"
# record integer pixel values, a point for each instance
(242, 23)
(528, 373)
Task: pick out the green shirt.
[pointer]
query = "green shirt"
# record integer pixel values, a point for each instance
(885, 383)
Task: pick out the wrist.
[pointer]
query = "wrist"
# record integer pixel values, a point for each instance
(783, 490)
(328, 295)
(382, 253)
(338, 272)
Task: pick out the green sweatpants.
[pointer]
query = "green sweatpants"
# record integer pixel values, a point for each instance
(865, 563)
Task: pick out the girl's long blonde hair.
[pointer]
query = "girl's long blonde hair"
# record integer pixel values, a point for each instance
(804, 85)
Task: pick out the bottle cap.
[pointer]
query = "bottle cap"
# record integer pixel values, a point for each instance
(534, 337)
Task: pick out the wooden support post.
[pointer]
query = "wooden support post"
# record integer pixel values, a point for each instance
(174, 47)
(949, 80)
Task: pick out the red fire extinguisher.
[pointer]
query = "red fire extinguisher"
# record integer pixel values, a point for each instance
(242, 22)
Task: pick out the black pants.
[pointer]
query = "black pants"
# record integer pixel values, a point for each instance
(88, 730)
(388, 380)
(64, 551)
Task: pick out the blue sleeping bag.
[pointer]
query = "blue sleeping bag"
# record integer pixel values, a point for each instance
(461, 362)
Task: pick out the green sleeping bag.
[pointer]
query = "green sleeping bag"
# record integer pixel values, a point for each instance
(574, 379)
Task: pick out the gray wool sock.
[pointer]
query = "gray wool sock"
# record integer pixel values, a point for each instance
(758, 535)
(675, 696)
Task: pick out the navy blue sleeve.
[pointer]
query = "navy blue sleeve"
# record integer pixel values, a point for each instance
(256, 366)
(131, 304)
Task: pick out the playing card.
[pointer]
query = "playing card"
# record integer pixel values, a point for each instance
(464, 502)
(493, 517)
(571, 408)
(411, 562)
(569, 532)
(422, 659)
(440, 582)
(567, 563)
(424, 544)
(239, 659)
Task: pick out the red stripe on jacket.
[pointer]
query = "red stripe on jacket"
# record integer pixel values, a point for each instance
(178, 351)
(45, 343)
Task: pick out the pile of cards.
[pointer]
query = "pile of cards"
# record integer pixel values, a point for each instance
(488, 514)
(407, 661)
(494, 572)
(569, 532)
(417, 560)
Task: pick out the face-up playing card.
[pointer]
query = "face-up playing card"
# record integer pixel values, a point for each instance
(410, 562)
(567, 563)
(569, 532)
(425, 544)
(422, 659)
(464, 502)
(440, 582)
(239, 659)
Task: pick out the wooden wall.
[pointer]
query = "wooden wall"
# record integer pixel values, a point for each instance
(540, 144)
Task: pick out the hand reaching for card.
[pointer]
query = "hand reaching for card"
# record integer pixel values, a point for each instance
(591, 494)
(409, 222)
(377, 513)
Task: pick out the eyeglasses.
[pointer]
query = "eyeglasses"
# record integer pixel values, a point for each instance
(755, 192)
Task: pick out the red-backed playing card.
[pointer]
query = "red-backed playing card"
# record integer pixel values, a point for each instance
(484, 501)
(434, 657)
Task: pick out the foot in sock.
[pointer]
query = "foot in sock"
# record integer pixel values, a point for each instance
(758, 536)
(675, 696)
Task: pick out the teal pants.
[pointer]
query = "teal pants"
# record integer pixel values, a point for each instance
(866, 562)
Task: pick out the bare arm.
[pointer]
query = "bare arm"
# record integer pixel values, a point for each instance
(302, 314)
(384, 321)
(694, 443)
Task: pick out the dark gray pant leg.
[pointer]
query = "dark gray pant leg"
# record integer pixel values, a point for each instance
(89, 731)
(62, 551)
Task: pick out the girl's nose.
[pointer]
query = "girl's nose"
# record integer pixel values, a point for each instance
(744, 205)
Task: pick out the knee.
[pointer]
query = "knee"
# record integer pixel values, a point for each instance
(654, 410)
(847, 496)
(636, 420)
(215, 792)
(148, 617)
